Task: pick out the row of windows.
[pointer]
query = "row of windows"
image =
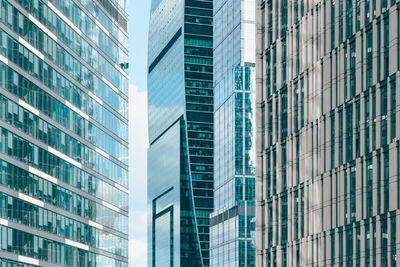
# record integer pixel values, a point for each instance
(44, 102)
(33, 216)
(90, 29)
(339, 205)
(344, 145)
(43, 131)
(234, 254)
(27, 244)
(234, 192)
(343, 246)
(11, 263)
(31, 124)
(44, 43)
(105, 93)
(48, 18)
(41, 159)
(66, 89)
(36, 127)
(29, 62)
(349, 56)
(237, 227)
(78, 16)
(22, 181)
(65, 61)
(37, 68)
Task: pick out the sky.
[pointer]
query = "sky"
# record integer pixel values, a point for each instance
(139, 12)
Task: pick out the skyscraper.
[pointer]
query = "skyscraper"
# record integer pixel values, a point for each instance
(327, 182)
(232, 224)
(180, 156)
(64, 133)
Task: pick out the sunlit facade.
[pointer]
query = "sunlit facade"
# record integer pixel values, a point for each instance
(180, 111)
(64, 133)
(232, 224)
(327, 181)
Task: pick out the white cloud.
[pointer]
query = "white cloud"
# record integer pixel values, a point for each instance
(138, 144)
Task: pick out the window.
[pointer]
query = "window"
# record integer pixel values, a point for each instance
(333, 140)
(349, 19)
(378, 74)
(274, 70)
(345, 50)
(384, 242)
(340, 150)
(349, 247)
(284, 122)
(302, 212)
(384, 115)
(393, 110)
(298, 159)
(352, 69)
(386, 180)
(341, 247)
(268, 72)
(333, 23)
(379, 183)
(298, 49)
(367, 118)
(369, 59)
(393, 239)
(367, 244)
(302, 102)
(274, 172)
(296, 215)
(349, 133)
(358, 129)
(296, 107)
(367, 15)
(284, 17)
(284, 217)
(358, 244)
(369, 188)
(340, 21)
(270, 12)
(373, 117)
(386, 47)
(352, 194)
(374, 8)
(358, 14)
(284, 62)
(284, 163)
(333, 244)
(384, 5)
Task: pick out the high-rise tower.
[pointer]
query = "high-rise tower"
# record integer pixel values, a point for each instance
(180, 157)
(64, 133)
(327, 182)
(232, 224)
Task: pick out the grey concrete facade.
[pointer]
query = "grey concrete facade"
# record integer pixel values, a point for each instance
(327, 178)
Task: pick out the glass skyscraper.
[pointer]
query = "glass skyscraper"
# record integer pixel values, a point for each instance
(180, 109)
(328, 150)
(232, 224)
(63, 133)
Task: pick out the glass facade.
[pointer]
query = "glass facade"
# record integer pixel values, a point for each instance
(180, 109)
(63, 133)
(328, 175)
(232, 224)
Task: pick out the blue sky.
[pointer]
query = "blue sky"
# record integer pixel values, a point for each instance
(139, 12)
